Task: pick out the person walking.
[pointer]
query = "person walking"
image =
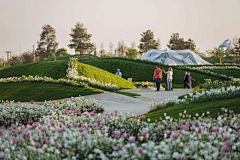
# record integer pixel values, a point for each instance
(118, 73)
(190, 79)
(185, 81)
(169, 78)
(157, 76)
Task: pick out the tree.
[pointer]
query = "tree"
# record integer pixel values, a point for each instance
(133, 45)
(176, 43)
(111, 47)
(159, 44)
(121, 48)
(219, 54)
(236, 45)
(61, 52)
(15, 60)
(131, 53)
(47, 45)
(81, 40)
(147, 42)
(102, 50)
(27, 57)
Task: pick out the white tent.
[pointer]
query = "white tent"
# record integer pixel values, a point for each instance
(174, 57)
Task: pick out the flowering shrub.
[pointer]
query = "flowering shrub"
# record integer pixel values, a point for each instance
(207, 72)
(72, 73)
(22, 113)
(209, 95)
(65, 135)
(216, 67)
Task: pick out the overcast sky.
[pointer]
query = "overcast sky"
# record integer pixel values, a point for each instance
(207, 22)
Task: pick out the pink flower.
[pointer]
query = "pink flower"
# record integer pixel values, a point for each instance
(102, 122)
(167, 132)
(52, 123)
(119, 146)
(19, 132)
(47, 141)
(230, 111)
(140, 149)
(58, 145)
(175, 136)
(95, 125)
(226, 137)
(187, 116)
(43, 129)
(223, 109)
(225, 148)
(142, 116)
(63, 129)
(82, 134)
(30, 122)
(144, 132)
(92, 114)
(116, 134)
(229, 143)
(160, 118)
(1, 132)
(26, 134)
(124, 135)
(53, 130)
(1, 148)
(37, 145)
(131, 139)
(34, 125)
(115, 111)
(180, 157)
(183, 121)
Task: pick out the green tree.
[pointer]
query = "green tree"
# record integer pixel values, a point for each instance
(131, 53)
(27, 57)
(47, 45)
(81, 40)
(236, 45)
(219, 54)
(61, 52)
(148, 42)
(176, 43)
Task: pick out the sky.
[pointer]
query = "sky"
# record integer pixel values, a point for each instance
(207, 22)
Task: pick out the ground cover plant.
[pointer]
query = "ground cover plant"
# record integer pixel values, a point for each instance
(66, 134)
(143, 70)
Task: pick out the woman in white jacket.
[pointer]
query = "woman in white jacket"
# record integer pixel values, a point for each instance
(169, 78)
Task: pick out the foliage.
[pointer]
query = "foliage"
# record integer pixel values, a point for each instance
(27, 57)
(236, 44)
(61, 52)
(131, 53)
(177, 43)
(47, 45)
(14, 61)
(148, 42)
(81, 40)
(219, 54)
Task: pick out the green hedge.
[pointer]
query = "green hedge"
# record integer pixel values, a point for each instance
(102, 76)
(143, 71)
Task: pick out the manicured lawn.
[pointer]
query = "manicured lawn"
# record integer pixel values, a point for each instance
(214, 107)
(228, 72)
(143, 71)
(102, 76)
(26, 92)
(54, 69)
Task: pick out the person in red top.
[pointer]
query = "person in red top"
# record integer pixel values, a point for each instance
(157, 76)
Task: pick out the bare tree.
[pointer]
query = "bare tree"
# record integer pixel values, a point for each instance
(111, 47)
(133, 45)
(159, 44)
(121, 48)
(102, 50)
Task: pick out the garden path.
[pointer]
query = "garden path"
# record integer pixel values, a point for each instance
(139, 105)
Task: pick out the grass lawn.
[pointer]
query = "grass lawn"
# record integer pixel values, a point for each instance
(228, 72)
(102, 75)
(143, 71)
(26, 92)
(54, 69)
(214, 107)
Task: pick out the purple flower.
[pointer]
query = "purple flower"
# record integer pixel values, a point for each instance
(26, 134)
(229, 143)
(47, 141)
(1, 132)
(223, 109)
(230, 111)
(116, 134)
(37, 145)
(95, 125)
(102, 122)
(226, 137)
(63, 129)
(131, 139)
(140, 149)
(187, 116)
(1, 148)
(175, 136)
(167, 132)
(160, 118)
(119, 146)
(124, 135)
(43, 129)
(82, 134)
(58, 145)
(180, 157)
(225, 148)
(52, 123)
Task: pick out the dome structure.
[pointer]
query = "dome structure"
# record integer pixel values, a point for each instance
(225, 46)
(174, 57)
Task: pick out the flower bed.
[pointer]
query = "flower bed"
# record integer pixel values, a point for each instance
(22, 113)
(203, 96)
(67, 135)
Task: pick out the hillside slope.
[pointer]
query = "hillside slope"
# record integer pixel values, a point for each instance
(142, 71)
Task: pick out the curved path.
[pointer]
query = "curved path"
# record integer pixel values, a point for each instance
(139, 105)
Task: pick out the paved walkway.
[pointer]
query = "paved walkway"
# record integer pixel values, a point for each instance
(139, 105)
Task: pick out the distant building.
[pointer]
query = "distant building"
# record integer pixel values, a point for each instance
(225, 46)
